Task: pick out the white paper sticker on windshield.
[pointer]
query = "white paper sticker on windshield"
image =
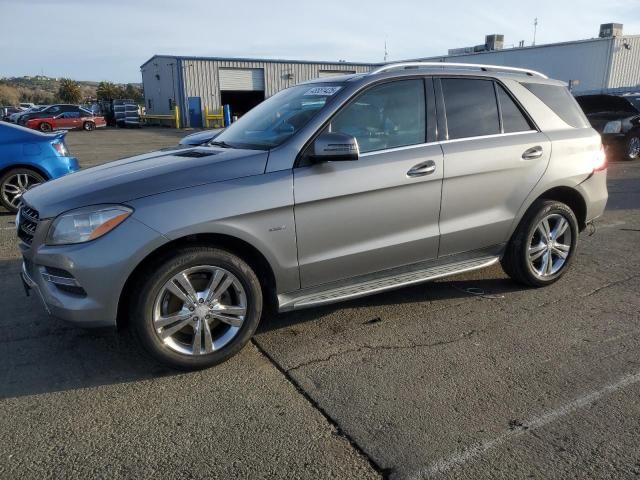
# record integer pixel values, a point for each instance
(324, 91)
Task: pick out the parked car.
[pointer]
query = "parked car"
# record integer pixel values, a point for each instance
(14, 117)
(5, 112)
(350, 197)
(201, 138)
(82, 119)
(47, 112)
(617, 118)
(27, 105)
(29, 158)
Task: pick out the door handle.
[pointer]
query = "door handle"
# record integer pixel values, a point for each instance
(532, 153)
(421, 169)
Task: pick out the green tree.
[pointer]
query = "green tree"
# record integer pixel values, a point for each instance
(134, 93)
(69, 91)
(109, 91)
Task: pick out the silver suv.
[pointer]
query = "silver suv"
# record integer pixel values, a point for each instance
(329, 190)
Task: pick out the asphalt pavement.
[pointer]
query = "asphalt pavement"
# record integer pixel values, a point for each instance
(467, 377)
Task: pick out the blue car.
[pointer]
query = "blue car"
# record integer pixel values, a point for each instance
(28, 158)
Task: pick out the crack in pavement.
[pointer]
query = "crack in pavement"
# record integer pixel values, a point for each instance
(588, 294)
(362, 348)
(339, 431)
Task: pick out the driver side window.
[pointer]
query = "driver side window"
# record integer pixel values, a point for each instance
(387, 116)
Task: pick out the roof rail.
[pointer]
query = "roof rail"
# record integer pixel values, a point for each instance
(467, 66)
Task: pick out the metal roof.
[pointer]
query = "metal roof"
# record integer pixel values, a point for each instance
(263, 60)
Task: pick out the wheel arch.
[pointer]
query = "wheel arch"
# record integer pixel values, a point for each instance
(567, 195)
(250, 254)
(26, 166)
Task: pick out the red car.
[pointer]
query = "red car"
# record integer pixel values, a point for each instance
(83, 119)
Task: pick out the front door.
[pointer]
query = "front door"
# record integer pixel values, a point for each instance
(381, 211)
(493, 158)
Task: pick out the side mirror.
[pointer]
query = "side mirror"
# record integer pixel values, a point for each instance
(335, 147)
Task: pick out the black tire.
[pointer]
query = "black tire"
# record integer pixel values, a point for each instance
(7, 199)
(88, 126)
(515, 261)
(152, 282)
(632, 147)
(45, 127)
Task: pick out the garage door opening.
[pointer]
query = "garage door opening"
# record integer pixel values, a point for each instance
(241, 88)
(241, 101)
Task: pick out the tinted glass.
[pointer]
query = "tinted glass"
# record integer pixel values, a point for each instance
(275, 120)
(558, 99)
(387, 116)
(471, 107)
(605, 103)
(513, 120)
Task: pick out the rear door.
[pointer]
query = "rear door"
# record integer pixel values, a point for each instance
(358, 217)
(493, 157)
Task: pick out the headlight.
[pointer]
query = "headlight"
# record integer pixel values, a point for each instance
(86, 224)
(613, 127)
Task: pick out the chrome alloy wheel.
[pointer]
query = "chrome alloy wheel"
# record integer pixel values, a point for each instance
(16, 185)
(199, 310)
(549, 245)
(634, 147)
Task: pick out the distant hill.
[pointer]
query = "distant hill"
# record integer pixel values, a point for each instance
(41, 89)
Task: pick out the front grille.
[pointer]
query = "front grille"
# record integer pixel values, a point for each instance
(28, 224)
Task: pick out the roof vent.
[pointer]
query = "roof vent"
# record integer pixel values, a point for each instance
(610, 30)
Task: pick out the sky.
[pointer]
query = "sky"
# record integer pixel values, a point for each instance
(110, 39)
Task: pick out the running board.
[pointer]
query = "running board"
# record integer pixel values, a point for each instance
(380, 282)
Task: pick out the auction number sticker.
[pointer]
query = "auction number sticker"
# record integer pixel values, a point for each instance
(324, 91)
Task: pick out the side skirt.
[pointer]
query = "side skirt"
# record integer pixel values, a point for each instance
(387, 280)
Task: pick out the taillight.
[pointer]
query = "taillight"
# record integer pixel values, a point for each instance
(61, 148)
(600, 160)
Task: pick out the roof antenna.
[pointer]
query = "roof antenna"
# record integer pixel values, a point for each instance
(535, 28)
(386, 53)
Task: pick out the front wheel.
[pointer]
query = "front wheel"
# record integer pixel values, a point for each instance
(197, 308)
(88, 126)
(45, 127)
(543, 245)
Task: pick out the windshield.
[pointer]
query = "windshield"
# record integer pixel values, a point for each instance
(278, 118)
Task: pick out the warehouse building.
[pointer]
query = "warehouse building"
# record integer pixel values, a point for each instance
(608, 63)
(193, 83)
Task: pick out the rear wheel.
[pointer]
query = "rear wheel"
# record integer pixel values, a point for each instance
(45, 127)
(543, 245)
(88, 126)
(14, 183)
(197, 308)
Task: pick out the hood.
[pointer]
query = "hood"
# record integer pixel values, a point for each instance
(144, 175)
(200, 138)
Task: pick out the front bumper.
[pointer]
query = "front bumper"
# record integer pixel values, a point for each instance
(100, 268)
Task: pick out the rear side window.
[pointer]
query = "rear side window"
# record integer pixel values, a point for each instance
(513, 120)
(471, 107)
(558, 99)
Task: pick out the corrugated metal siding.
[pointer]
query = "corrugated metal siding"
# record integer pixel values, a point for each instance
(625, 63)
(586, 61)
(332, 73)
(201, 77)
(249, 79)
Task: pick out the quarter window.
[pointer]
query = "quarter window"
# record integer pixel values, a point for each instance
(513, 120)
(387, 116)
(471, 107)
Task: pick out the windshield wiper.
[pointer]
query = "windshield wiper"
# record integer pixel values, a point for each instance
(221, 144)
